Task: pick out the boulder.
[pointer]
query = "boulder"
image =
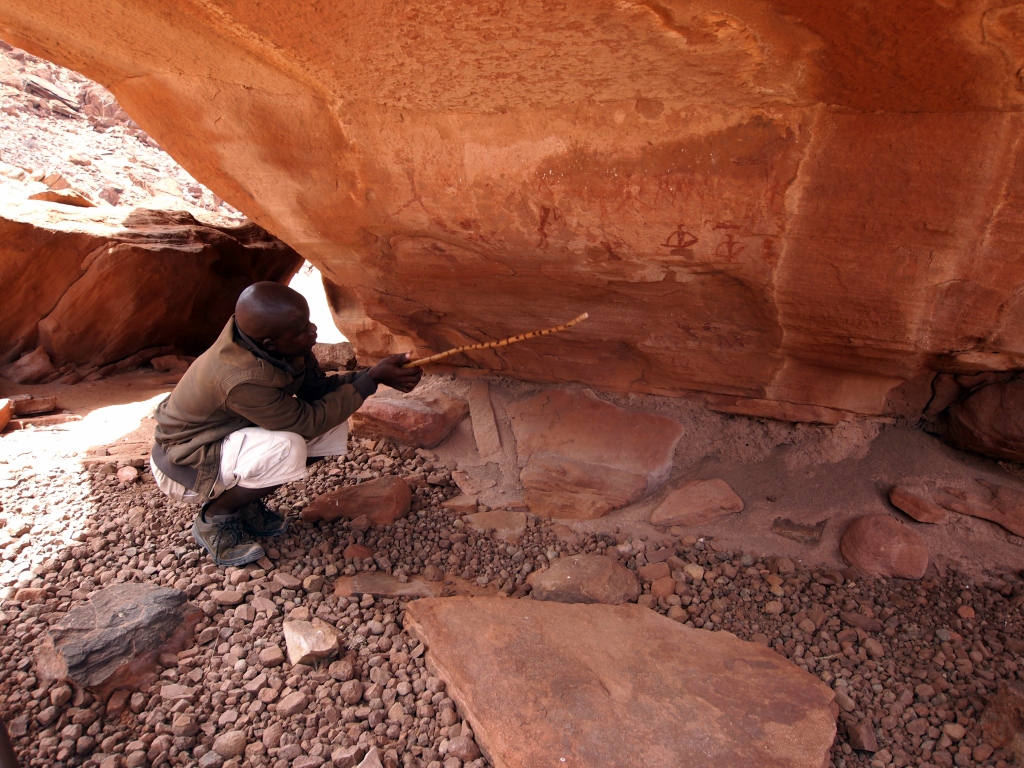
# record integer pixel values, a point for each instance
(383, 500)
(309, 641)
(30, 405)
(113, 639)
(420, 419)
(637, 687)
(882, 546)
(697, 503)
(98, 285)
(917, 502)
(583, 457)
(31, 368)
(585, 579)
(5, 412)
(990, 421)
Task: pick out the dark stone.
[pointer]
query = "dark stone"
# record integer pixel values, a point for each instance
(113, 639)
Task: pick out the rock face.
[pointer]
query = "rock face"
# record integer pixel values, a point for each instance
(648, 164)
(583, 457)
(990, 421)
(697, 502)
(574, 683)
(420, 419)
(881, 546)
(114, 638)
(383, 500)
(586, 579)
(492, 194)
(94, 286)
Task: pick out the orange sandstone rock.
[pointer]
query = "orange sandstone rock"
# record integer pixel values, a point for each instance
(786, 202)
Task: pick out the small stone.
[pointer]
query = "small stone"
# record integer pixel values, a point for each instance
(271, 656)
(844, 701)
(965, 612)
(230, 744)
(862, 737)
(118, 702)
(357, 552)
(313, 583)
(347, 757)
(341, 670)
(292, 704)
(351, 692)
(955, 731)
(184, 725)
(773, 608)
(463, 748)
(308, 641)
(127, 475)
(228, 597)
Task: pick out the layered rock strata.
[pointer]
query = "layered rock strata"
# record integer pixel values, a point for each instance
(781, 201)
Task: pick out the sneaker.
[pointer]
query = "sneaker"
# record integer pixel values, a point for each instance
(261, 521)
(226, 540)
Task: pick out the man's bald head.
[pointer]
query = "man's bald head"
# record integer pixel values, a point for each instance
(274, 316)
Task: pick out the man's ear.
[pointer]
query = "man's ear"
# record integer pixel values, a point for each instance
(269, 344)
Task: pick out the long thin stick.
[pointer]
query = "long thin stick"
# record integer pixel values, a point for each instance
(492, 344)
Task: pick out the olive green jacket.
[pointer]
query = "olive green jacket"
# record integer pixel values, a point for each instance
(235, 384)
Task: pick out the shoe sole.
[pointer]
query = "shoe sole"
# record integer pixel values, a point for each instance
(226, 563)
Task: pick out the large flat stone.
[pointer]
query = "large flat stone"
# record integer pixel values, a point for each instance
(598, 685)
(583, 457)
(422, 420)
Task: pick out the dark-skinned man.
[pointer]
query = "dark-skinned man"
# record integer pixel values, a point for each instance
(249, 412)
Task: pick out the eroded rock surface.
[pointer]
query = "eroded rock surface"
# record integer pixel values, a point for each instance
(583, 457)
(575, 687)
(88, 287)
(460, 176)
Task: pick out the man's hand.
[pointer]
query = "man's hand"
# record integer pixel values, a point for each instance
(389, 371)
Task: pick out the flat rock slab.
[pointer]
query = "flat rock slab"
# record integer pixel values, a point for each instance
(113, 639)
(507, 526)
(697, 503)
(385, 585)
(383, 500)
(917, 501)
(600, 685)
(583, 457)
(422, 420)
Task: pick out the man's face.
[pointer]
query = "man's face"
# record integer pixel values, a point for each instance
(297, 340)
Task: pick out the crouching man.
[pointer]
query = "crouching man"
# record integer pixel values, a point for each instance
(249, 412)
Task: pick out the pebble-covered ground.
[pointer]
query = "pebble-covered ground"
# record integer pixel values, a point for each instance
(921, 682)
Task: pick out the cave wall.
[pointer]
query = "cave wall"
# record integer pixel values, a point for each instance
(786, 201)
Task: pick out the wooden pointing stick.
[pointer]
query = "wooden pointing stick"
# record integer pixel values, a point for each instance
(492, 344)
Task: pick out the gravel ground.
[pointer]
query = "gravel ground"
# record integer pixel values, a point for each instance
(921, 682)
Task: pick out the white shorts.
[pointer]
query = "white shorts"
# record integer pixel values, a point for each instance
(258, 458)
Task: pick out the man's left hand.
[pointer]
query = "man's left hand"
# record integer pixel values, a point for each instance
(389, 371)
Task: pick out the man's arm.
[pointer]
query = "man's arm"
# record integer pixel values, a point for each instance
(272, 409)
